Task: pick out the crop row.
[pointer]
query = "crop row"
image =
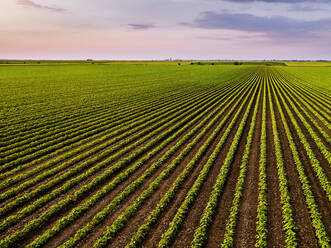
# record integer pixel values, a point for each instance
(68, 113)
(316, 138)
(287, 213)
(92, 184)
(190, 196)
(112, 230)
(261, 222)
(82, 208)
(144, 134)
(48, 138)
(82, 133)
(314, 213)
(312, 92)
(59, 159)
(120, 135)
(315, 99)
(71, 116)
(113, 123)
(228, 240)
(323, 180)
(292, 91)
(101, 165)
(200, 233)
(126, 113)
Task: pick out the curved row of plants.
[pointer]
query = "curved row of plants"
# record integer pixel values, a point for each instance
(82, 208)
(323, 180)
(289, 227)
(69, 199)
(313, 134)
(200, 233)
(154, 96)
(33, 153)
(231, 223)
(146, 194)
(315, 216)
(310, 94)
(133, 109)
(261, 218)
(79, 147)
(103, 160)
(67, 113)
(301, 100)
(97, 146)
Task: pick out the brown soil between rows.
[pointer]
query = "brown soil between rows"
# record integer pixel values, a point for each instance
(79, 163)
(45, 148)
(61, 172)
(73, 189)
(98, 137)
(192, 220)
(106, 110)
(125, 234)
(54, 219)
(312, 99)
(89, 215)
(67, 151)
(319, 195)
(275, 233)
(216, 231)
(299, 104)
(246, 222)
(68, 168)
(323, 162)
(311, 90)
(305, 232)
(245, 231)
(79, 184)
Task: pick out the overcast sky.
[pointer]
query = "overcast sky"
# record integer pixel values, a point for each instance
(159, 29)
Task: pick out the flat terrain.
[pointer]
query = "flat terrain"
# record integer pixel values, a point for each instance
(164, 155)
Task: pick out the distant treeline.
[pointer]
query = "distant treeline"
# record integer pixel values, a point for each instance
(89, 61)
(238, 63)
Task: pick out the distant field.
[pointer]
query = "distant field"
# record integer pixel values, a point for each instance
(308, 63)
(319, 77)
(96, 62)
(108, 62)
(153, 154)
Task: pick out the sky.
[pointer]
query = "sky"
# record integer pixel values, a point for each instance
(162, 29)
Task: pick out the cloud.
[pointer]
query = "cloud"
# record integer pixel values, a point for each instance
(30, 3)
(140, 26)
(298, 7)
(274, 26)
(233, 37)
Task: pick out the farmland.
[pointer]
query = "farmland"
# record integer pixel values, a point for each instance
(165, 155)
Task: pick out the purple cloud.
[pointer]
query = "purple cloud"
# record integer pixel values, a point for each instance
(30, 3)
(140, 26)
(297, 7)
(276, 25)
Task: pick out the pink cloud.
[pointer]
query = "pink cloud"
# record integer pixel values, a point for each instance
(30, 3)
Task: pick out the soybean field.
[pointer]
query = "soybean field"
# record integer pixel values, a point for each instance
(165, 155)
